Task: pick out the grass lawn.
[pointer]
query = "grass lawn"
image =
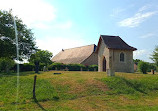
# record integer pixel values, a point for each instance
(80, 91)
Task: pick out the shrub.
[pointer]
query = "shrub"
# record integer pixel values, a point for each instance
(93, 67)
(72, 67)
(27, 67)
(157, 68)
(151, 66)
(75, 67)
(143, 67)
(6, 64)
(58, 66)
(41, 65)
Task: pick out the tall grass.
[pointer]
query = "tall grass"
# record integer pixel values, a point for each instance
(71, 91)
(44, 90)
(121, 85)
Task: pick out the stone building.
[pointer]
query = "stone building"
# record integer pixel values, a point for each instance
(112, 55)
(80, 55)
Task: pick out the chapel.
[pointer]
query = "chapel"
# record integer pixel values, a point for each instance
(112, 54)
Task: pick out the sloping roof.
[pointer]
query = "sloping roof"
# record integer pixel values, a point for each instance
(74, 55)
(114, 42)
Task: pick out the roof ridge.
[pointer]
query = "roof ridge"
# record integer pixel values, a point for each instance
(78, 47)
(110, 35)
(114, 42)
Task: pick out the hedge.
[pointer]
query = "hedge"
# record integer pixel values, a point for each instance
(57, 66)
(72, 67)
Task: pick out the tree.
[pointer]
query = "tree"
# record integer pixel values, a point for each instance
(143, 67)
(155, 56)
(136, 61)
(151, 66)
(6, 64)
(7, 37)
(42, 56)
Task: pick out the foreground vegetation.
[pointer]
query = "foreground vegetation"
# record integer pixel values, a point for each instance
(80, 91)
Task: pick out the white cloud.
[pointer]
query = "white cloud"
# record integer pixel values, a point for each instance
(30, 11)
(139, 53)
(116, 12)
(41, 26)
(56, 44)
(36, 14)
(142, 54)
(136, 19)
(56, 26)
(148, 35)
(145, 7)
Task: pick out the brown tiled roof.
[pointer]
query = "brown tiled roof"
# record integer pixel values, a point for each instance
(114, 42)
(74, 55)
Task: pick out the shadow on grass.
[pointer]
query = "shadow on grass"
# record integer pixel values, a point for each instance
(36, 101)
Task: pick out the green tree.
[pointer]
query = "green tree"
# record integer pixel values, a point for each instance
(155, 56)
(7, 37)
(136, 61)
(143, 67)
(151, 66)
(6, 64)
(41, 56)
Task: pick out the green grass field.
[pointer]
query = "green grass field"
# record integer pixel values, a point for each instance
(80, 91)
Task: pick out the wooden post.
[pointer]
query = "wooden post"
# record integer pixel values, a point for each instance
(152, 71)
(34, 87)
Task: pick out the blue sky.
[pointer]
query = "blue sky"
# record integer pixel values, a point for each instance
(62, 24)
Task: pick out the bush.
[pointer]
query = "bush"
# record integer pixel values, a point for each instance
(75, 67)
(27, 67)
(58, 66)
(143, 67)
(151, 66)
(93, 67)
(72, 67)
(41, 65)
(6, 64)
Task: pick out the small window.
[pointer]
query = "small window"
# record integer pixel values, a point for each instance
(122, 57)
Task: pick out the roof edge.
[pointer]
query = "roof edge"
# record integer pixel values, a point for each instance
(78, 47)
(89, 55)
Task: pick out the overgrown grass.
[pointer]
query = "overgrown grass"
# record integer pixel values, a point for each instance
(80, 91)
(121, 85)
(8, 90)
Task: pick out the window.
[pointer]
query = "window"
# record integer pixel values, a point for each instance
(122, 57)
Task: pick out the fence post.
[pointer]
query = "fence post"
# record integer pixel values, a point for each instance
(34, 87)
(152, 71)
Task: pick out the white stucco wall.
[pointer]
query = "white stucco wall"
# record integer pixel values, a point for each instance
(127, 65)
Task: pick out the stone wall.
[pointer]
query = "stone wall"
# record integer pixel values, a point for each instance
(113, 59)
(127, 65)
(103, 52)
